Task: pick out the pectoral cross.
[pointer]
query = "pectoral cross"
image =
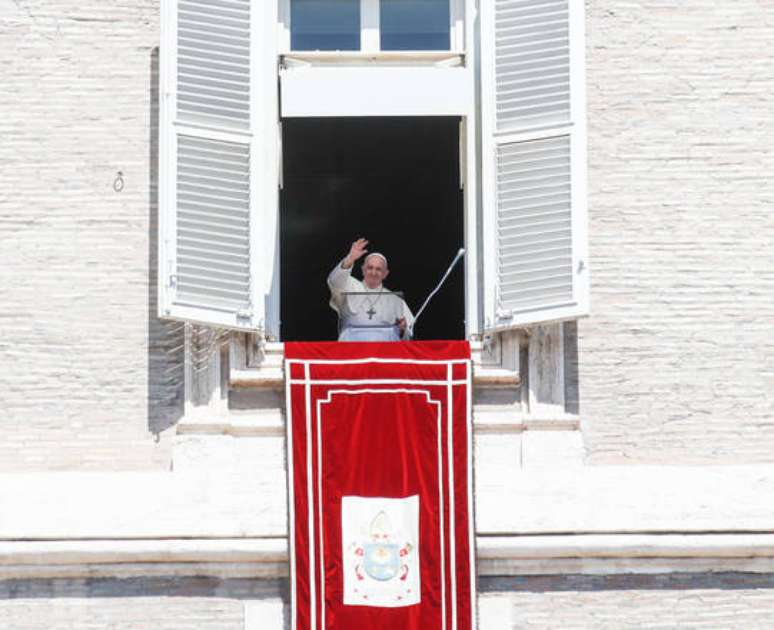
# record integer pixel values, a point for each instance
(371, 312)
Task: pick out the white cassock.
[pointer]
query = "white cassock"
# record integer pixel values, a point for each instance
(375, 308)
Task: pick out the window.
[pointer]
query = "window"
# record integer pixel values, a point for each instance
(325, 24)
(371, 25)
(414, 24)
(220, 149)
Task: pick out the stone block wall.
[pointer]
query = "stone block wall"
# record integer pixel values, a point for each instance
(725, 601)
(170, 603)
(91, 379)
(677, 359)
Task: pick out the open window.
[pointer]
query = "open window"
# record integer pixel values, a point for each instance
(394, 180)
(533, 162)
(220, 141)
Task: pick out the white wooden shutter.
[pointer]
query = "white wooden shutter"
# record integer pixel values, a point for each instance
(533, 161)
(217, 159)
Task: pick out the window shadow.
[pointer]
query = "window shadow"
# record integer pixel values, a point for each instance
(165, 391)
(571, 377)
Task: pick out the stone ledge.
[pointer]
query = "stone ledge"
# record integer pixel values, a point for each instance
(271, 422)
(269, 372)
(624, 553)
(258, 424)
(496, 556)
(273, 377)
(238, 501)
(120, 551)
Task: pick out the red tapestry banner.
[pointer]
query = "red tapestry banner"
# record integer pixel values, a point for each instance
(379, 466)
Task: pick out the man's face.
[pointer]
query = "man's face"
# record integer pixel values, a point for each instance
(374, 271)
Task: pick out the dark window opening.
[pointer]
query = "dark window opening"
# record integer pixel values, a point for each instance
(395, 181)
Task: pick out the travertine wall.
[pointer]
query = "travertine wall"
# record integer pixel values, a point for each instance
(725, 601)
(89, 374)
(659, 602)
(131, 603)
(677, 360)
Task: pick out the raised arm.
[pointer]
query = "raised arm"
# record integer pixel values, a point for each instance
(356, 251)
(339, 278)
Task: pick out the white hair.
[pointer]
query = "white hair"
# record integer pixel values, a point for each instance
(382, 256)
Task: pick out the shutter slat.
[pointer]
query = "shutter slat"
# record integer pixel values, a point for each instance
(534, 214)
(200, 251)
(213, 267)
(536, 264)
(508, 219)
(232, 266)
(538, 289)
(536, 254)
(206, 48)
(225, 25)
(213, 226)
(212, 80)
(526, 228)
(531, 37)
(213, 173)
(238, 193)
(213, 42)
(207, 91)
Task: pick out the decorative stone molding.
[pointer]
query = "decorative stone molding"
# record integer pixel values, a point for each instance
(496, 556)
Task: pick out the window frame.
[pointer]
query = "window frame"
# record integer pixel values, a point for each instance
(370, 34)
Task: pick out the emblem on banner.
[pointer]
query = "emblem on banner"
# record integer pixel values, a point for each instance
(380, 543)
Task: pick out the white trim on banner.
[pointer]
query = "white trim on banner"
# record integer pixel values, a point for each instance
(291, 502)
(437, 403)
(310, 495)
(450, 466)
(377, 360)
(471, 519)
(377, 381)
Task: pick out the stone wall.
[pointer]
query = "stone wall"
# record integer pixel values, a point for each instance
(726, 601)
(131, 603)
(90, 377)
(677, 359)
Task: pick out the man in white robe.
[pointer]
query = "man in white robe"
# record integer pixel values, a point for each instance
(367, 310)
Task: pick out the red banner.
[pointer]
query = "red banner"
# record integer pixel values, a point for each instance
(379, 449)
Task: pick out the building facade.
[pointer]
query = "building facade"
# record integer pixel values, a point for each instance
(624, 470)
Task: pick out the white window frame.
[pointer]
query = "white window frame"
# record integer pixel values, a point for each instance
(338, 75)
(369, 29)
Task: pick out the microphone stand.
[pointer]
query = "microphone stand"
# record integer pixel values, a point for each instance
(459, 255)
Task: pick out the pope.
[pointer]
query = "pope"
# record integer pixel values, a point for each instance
(367, 303)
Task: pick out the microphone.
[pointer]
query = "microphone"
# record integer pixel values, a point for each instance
(460, 254)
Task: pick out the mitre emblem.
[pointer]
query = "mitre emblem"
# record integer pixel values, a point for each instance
(380, 537)
(382, 555)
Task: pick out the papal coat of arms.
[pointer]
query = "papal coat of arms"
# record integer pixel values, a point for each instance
(380, 546)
